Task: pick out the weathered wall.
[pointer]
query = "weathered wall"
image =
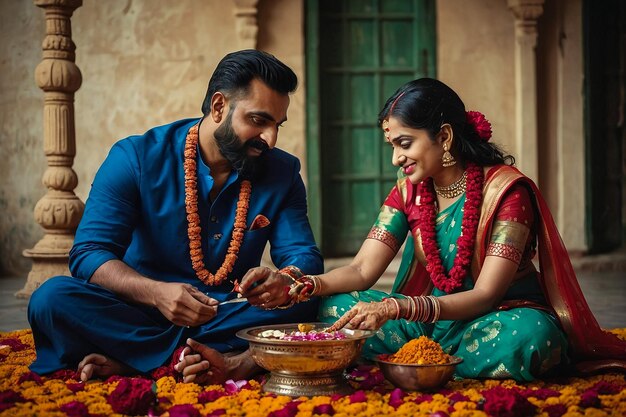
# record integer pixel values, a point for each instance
(282, 33)
(144, 63)
(560, 117)
(147, 62)
(21, 143)
(475, 56)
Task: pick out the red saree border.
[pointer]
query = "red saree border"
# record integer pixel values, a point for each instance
(416, 281)
(588, 342)
(557, 277)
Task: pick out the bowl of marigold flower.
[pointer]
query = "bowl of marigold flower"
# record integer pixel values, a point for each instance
(419, 365)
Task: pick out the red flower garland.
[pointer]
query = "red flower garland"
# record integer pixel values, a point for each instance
(193, 218)
(465, 244)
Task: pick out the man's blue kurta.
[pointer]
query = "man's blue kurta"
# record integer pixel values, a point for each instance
(136, 213)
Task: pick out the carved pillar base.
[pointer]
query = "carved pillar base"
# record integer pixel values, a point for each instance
(59, 211)
(42, 269)
(50, 257)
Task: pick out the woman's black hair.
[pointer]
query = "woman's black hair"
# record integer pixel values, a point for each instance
(428, 104)
(236, 70)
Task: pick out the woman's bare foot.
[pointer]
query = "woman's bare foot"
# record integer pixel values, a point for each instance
(203, 365)
(96, 365)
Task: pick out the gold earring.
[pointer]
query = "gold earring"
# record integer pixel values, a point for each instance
(447, 160)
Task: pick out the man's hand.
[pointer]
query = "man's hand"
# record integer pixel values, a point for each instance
(201, 364)
(184, 304)
(366, 316)
(265, 288)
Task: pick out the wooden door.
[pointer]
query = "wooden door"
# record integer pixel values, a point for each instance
(359, 52)
(605, 111)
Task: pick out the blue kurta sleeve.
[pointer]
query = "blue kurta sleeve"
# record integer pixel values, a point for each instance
(111, 213)
(292, 241)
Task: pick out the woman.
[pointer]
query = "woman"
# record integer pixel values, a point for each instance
(475, 222)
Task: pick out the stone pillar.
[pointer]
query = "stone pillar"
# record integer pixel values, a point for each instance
(526, 14)
(246, 23)
(570, 129)
(60, 210)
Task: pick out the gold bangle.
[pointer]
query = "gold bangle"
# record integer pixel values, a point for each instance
(317, 285)
(397, 305)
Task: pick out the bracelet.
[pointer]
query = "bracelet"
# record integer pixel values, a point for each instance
(413, 310)
(292, 272)
(436, 308)
(395, 302)
(302, 289)
(317, 285)
(407, 313)
(421, 308)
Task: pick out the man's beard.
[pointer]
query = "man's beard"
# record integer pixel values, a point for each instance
(236, 152)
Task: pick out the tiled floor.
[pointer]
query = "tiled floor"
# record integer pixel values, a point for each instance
(12, 309)
(605, 292)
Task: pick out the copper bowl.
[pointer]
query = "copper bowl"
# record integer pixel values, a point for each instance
(413, 377)
(304, 367)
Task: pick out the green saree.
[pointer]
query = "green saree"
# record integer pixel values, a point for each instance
(520, 343)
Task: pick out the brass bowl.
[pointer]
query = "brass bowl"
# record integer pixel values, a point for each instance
(304, 367)
(412, 377)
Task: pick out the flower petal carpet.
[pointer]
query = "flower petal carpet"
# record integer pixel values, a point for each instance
(24, 393)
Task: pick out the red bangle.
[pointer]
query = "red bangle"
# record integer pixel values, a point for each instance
(292, 271)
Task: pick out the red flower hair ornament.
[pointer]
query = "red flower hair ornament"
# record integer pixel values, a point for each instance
(480, 124)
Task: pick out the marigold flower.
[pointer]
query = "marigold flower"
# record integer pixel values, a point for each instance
(58, 397)
(193, 220)
(132, 396)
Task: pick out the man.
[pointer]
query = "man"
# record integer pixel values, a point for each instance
(173, 218)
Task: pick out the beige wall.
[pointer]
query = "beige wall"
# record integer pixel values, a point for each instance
(479, 63)
(282, 33)
(147, 62)
(475, 56)
(144, 63)
(21, 149)
(560, 117)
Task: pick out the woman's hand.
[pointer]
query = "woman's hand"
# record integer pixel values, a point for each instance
(366, 316)
(265, 288)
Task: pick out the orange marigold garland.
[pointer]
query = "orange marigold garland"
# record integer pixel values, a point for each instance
(193, 218)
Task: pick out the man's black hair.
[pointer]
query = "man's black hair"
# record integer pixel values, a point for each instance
(236, 70)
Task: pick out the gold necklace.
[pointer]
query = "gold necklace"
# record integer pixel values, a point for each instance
(453, 190)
